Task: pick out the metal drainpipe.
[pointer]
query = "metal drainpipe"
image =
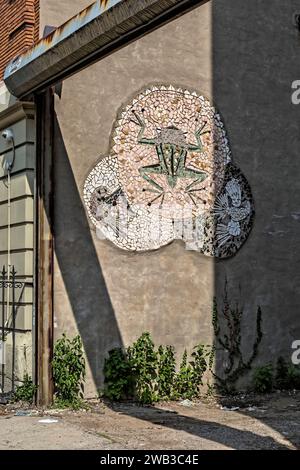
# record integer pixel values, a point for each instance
(8, 240)
(9, 166)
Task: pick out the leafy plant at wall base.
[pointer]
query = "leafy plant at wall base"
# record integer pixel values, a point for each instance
(186, 386)
(150, 375)
(200, 361)
(211, 389)
(230, 342)
(166, 371)
(293, 377)
(68, 367)
(143, 359)
(190, 376)
(211, 358)
(119, 383)
(26, 391)
(263, 379)
(287, 376)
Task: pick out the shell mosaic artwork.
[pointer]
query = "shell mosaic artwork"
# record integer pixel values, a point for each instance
(170, 176)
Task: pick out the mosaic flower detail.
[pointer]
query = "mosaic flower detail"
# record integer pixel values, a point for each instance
(232, 216)
(164, 179)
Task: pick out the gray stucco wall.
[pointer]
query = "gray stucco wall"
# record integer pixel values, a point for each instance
(243, 56)
(168, 292)
(255, 60)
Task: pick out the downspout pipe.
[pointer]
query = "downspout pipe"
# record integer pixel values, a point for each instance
(8, 135)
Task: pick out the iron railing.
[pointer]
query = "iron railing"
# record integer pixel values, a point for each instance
(11, 292)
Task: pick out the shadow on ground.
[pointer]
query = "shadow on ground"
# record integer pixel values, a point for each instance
(270, 422)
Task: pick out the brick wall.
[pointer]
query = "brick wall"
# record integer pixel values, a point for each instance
(19, 28)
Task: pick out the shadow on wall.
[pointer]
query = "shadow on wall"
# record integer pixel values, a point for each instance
(255, 59)
(78, 262)
(256, 51)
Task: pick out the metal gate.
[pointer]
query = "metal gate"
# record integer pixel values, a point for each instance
(11, 294)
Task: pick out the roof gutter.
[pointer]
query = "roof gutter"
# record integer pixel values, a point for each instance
(96, 32)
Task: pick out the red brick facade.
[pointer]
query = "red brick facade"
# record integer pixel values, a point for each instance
(19, 28)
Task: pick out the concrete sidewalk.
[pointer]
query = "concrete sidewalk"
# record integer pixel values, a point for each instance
(269, 423)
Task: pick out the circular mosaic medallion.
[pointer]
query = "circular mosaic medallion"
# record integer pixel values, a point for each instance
(172, 150)
(170, 176)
